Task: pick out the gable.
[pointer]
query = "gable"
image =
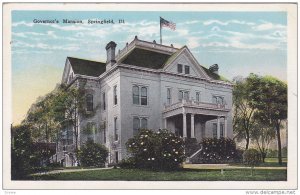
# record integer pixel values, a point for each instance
(185, 58)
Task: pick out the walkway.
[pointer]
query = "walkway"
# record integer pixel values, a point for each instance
(227, 166)
(69, 170)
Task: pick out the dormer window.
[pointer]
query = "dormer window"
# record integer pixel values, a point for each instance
(186, 69)
(179, 68)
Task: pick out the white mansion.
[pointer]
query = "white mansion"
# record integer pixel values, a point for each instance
(147, 85)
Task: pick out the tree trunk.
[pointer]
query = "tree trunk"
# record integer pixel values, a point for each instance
(279, 143)
(247, 140)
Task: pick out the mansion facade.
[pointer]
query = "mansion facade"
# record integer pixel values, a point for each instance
(146, 85)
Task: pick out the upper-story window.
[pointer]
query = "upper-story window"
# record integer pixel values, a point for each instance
(139, 95)
(179, 68)
(186, 69)
(197, 96)
(115, 95)
(218, 100)
(89, 102)
(169, 97)
(183, 95)
(104, 101)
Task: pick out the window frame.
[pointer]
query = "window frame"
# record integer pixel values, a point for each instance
(186, 67)
(179, 68)
(104, 101)
(215, 130)
(142, 99)
(218, 98)
(138, 119)
(116, 133)
(115, 95)
(89, 100)
(197, 99)
(169, 95)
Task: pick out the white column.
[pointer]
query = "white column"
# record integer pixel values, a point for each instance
(184, 125)
(165, 123)
(218, 127)
(192, 126)
(225, 127)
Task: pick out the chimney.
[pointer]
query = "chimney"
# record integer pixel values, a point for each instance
(110, 51)
(214, 68)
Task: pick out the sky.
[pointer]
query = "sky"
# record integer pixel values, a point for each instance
(239, 42)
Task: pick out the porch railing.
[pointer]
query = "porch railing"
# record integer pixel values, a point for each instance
(194, 103)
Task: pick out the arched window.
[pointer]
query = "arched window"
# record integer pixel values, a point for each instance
(143, 96)
(135, 95)
(89, 102)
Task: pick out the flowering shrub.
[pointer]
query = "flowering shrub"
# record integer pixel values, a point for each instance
(92, 154)
(161, 150)
(218, 150)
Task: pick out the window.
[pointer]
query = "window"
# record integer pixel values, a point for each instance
(116, 128)
(183, 95)
(144, 123)
(139, 123)
(218, 100)
(221, 130)
(186, 69)
(89, 102)
(115, 95)
(103, 128)
(143, 96)
(91, 131)
(179, 68)
(140, 95)
(197, 96)
(104, 101)
(117, 156)
(215, 134)
(136, 95)
(136, 125)
(169, 100)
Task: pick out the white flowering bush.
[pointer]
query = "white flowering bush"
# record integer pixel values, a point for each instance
(92, 154)
(161, 150)
(218, 150)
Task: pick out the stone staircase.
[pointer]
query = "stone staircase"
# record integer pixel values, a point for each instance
(192, 150)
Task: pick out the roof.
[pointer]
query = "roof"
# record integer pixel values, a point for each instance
(87, 67)
(214, 75)
(146, 58)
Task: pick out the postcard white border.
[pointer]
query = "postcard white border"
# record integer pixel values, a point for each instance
(290, 8)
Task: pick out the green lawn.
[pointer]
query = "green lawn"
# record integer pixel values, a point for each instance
(181, 175)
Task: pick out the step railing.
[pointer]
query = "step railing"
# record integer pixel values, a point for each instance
(188, 159)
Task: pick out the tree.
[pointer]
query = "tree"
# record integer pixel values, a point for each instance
(262, 134)
(268, 96)
(21, 152)
(243, 114)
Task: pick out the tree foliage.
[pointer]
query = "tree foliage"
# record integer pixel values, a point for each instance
(92, 154)
(161, 150)
(268, 96)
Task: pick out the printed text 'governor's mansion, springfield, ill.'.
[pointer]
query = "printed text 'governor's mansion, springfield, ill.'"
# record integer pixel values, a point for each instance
(147, 85)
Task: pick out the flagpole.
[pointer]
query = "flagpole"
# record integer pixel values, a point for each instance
(160, 30)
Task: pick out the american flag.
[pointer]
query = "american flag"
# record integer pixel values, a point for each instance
(167, 23)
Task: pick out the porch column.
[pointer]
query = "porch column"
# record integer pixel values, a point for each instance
(192, 126)
(184, 125)
(165, 123)
(218, 127)
(225, 127)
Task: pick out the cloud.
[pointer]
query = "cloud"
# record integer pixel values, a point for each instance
(215, 28)
(69, 47)
(225, 23)
(193, 42)
(268, 26)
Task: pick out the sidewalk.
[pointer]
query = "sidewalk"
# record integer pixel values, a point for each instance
(227, 166)
(69, 170)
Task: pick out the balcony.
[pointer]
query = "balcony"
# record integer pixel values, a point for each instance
(191, 106)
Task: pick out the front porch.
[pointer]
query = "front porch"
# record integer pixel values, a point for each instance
(189, 118)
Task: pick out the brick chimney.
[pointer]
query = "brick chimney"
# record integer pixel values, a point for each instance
(214, 68)
(111, 54)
